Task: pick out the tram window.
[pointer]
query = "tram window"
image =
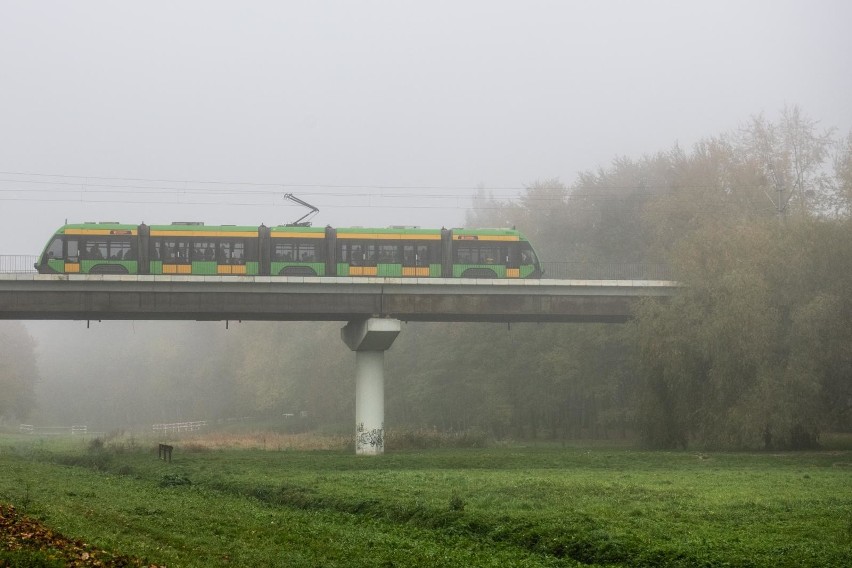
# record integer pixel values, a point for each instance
(232, 252)
(371, 254)
(55, 248)
(284, 252)
(307, 252)
(416, 255)
(466, 255)
(175, 251)
(73, 246)
(494, 255)
(488, 255)
(527, 255)
(95, 249)
(120, 249)
(388, 254)
(409, 255)
(481, 254)
(358, 253)
(300, 251)
(203, 251)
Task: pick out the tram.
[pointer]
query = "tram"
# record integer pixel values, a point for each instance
(193, 248)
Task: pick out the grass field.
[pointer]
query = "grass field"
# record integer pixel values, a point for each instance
(506, 506)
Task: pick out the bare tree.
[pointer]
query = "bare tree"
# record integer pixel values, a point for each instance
(792, 155)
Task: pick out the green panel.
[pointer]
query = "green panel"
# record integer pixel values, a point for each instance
(56, 264)
(318, 267)
(389, 270)
(487, 232)
(342, 269)
(99, 226)
(251, 268)
(87, 265)
(526, 270)
(434, 270)
(498, 269)
(156, 267)
(205, 268)
(302, 230)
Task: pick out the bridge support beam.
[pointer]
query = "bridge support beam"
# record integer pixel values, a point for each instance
(369, 339)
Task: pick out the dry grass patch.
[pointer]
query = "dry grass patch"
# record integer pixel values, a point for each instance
(270, 441)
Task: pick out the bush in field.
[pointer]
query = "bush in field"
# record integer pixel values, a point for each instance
(174, 480)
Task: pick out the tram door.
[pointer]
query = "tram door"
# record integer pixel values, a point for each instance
(415, 260)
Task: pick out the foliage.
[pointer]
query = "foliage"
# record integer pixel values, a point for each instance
(28, 543)
(755, 352)
(18, 372)
(789, 155)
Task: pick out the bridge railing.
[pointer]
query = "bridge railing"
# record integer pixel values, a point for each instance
(17, 263)
(23, 263)
(606, 271)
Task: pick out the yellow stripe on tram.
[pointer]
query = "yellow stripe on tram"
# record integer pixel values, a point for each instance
(388, 237)
(247, 234)
(294, 235)
(231, 269)
(474, 238)
(122, 232)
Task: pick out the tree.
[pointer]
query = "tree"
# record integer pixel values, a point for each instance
(755, 349)
(841, 202)
(791, 154)
(18, 374)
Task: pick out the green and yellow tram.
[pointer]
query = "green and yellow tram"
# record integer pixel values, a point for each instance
(206, 250)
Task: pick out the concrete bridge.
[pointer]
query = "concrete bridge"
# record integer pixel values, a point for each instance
(113, 297)
(374, 308)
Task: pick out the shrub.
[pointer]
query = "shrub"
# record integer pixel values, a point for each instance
(174, 480)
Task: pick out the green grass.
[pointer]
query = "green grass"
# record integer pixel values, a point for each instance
(491, 507)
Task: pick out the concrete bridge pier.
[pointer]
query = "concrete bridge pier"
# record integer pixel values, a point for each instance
(369, 339)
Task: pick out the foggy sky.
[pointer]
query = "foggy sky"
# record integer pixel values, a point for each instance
(351, 105)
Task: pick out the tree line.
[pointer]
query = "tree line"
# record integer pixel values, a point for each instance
(756, 350)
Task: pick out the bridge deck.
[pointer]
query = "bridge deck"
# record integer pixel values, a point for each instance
(94, 297)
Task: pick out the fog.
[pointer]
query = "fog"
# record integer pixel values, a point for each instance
(379, 113)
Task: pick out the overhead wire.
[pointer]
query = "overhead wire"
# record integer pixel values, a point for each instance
(59, 190)
(84, 181)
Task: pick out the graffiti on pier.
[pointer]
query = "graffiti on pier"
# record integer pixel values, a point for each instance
(374, 438)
